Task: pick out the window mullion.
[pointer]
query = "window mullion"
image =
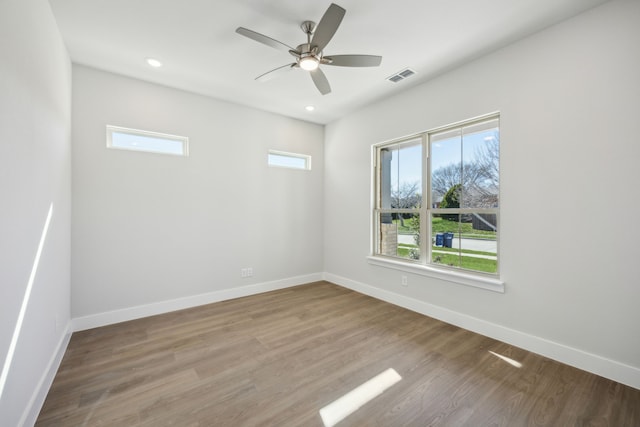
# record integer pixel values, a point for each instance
(425, 216)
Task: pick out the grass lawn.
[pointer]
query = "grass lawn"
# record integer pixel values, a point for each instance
(470, 263)
(464, 251)
(451, 256)
(454, 259)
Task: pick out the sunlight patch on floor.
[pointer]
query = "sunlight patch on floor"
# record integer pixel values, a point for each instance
(509, 360)
(342, 407)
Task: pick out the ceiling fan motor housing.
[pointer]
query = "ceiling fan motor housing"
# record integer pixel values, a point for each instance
(307, 56)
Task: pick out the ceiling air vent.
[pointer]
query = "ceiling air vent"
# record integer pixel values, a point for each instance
(401, 75)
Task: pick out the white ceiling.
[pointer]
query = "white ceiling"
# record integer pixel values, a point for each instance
(201, 52)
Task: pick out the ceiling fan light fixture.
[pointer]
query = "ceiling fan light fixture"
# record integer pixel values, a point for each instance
(309, 63)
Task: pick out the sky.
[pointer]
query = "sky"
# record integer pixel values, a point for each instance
(406, 163)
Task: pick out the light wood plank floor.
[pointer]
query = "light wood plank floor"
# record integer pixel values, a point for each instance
(275, 359)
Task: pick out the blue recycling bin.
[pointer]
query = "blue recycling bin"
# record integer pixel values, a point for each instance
(439, 239)
(448, 240)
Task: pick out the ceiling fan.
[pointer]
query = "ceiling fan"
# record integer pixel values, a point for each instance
(309, 56)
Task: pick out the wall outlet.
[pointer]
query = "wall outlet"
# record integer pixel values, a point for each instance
(403, 281)
(246, 272)
(250, 272)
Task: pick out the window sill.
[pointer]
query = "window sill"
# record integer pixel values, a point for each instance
(487, 283)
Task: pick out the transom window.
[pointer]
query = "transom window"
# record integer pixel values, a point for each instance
(453, 224)
(288, 160)
(150, 142)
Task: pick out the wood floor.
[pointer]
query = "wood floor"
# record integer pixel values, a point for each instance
(276, 359)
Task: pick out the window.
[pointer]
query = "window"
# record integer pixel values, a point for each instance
(142, 140)
(453, 225)
(289, 160)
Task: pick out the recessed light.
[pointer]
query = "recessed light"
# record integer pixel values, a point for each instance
(154, 62)
(309, 108)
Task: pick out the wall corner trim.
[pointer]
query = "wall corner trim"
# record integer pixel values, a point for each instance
(611, 369)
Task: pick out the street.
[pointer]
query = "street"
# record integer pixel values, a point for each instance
(471, 244)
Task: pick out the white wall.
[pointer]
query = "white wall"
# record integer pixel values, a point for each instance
(151, 228)
(35, 173)
(569, 99)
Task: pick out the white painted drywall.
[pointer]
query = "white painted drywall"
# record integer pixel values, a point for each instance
(569, 99)
(149, 228)
(35, 174)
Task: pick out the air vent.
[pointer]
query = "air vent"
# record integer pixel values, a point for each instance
(401, 75)
(407, 73)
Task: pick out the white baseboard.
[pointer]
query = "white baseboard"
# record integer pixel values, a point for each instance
(137, 312)
(40, 394)
(580, 359)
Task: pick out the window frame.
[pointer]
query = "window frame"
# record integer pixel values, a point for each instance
(183, 140)
(424, 265)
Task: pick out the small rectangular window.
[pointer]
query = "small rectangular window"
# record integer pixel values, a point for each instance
(150, 142)
(289, 160)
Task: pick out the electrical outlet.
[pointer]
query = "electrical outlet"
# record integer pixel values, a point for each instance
(403, 280)
(243, 272)
(250, 272)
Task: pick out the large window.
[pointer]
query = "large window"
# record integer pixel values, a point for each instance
(453, 224)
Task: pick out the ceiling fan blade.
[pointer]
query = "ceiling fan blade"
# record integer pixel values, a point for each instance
(320, 80)
(261, 38)
(275, 72)
(327, 26)
(353, 60)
